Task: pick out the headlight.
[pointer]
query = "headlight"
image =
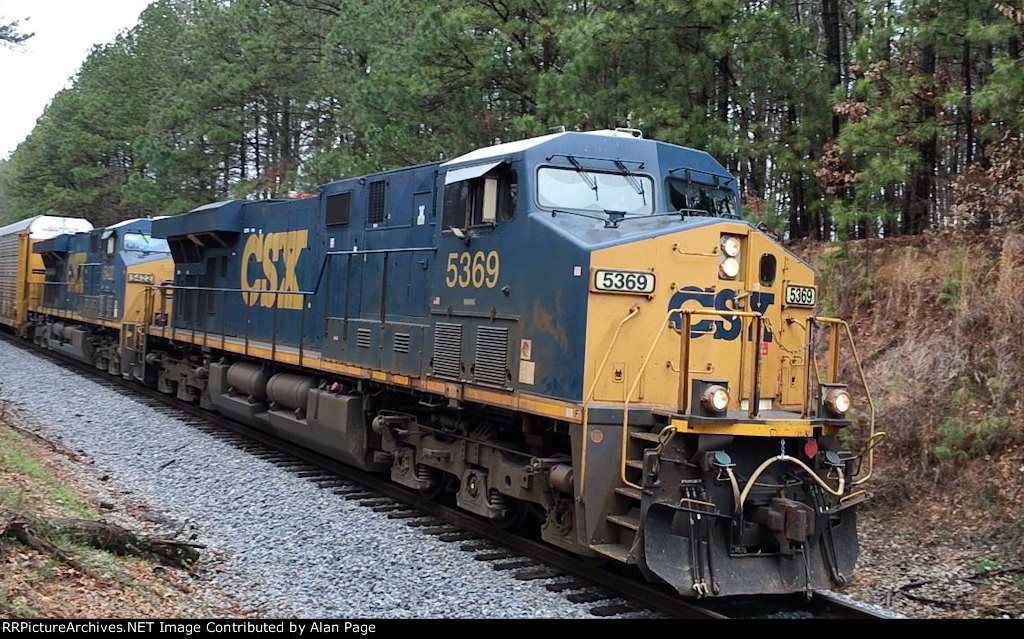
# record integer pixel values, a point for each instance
(715, 399)
(837, 401)
(731, 245)
(730, 267)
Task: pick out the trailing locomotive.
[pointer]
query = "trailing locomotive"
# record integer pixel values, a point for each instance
(576, 327)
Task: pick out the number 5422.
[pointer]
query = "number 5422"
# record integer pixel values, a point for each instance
(477, 269)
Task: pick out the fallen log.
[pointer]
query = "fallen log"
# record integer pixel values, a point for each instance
(36, 533)
(24, 533)
(121, 541)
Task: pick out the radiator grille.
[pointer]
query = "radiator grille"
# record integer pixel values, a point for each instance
(447, 360)
(490, 363)
(402, 342)
(364, 338)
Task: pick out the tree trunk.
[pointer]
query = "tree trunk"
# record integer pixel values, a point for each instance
(833, 50)
(916, 220)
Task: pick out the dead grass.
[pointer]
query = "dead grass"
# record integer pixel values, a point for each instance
(37, 482)
(940, 321)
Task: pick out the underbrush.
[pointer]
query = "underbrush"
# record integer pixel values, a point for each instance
(939, 321)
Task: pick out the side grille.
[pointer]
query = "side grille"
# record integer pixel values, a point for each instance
(491, 361)
(364, 338)
(402, 342)
(447, 360)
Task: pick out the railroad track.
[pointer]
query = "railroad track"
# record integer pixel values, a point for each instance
(610, 593)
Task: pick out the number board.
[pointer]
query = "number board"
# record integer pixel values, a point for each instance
(140, 278)
(611, 281)
(800, 295)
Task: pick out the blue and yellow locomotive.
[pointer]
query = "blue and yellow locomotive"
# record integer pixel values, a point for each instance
(94, 291)
(577, 327)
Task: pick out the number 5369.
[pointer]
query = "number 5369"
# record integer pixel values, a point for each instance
(477, 269)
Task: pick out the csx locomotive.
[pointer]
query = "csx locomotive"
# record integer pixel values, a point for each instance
(576, 328)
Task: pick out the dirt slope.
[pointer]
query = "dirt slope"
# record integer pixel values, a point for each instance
(939, 321)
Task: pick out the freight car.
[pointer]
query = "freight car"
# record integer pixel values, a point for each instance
(577, 328)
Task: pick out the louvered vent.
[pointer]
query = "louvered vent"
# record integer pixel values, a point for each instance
(401, 342)
(490, 363)
(364, 338)
(447, 350)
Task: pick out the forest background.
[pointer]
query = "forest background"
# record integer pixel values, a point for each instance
(842, 118)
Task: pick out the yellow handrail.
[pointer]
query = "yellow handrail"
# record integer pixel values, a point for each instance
(643, 367)
(873, 437)
(633, 312)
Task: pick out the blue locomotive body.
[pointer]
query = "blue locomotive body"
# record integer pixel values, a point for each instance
(87, 273)
(372, 272)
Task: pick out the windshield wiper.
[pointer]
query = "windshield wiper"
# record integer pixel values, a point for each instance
(555, 212)
(587, 177)
(635, 183)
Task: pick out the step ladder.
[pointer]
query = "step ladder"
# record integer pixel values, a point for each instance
(624, 520)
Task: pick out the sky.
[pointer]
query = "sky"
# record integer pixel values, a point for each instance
(65, 31)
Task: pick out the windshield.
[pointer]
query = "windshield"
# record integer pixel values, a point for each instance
(594, 191)
(700, 199)
(145, 243)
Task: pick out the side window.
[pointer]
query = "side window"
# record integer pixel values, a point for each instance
(339, 208)
(375, 205)
(481, 201)
(508, 196)
(700, 199)
(456, 201)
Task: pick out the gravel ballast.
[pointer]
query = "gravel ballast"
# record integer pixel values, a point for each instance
(290, 548)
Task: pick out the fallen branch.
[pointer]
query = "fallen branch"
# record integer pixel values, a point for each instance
(23, 532)
(971, 579)
(34, 534)
(15, 422)
(121, 541)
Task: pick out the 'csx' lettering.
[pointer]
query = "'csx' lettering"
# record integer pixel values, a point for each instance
(727, 328)
(278, 254)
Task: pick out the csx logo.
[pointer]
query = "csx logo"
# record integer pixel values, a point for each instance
(275, 255)
(726, 328)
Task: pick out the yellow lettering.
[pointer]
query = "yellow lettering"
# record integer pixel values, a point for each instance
(74, 279)
(464, 260)
(271, 248)
(253, 249)
(477, 269)
(272, 252)
(295, 242)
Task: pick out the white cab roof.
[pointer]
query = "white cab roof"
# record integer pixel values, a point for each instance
(521, 145)
(43, 227)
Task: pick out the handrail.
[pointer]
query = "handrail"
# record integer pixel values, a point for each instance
(873, 437)
(633, 312)
(683, 365)
(684, 359)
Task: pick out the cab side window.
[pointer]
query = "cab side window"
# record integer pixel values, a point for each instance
(481, 201)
